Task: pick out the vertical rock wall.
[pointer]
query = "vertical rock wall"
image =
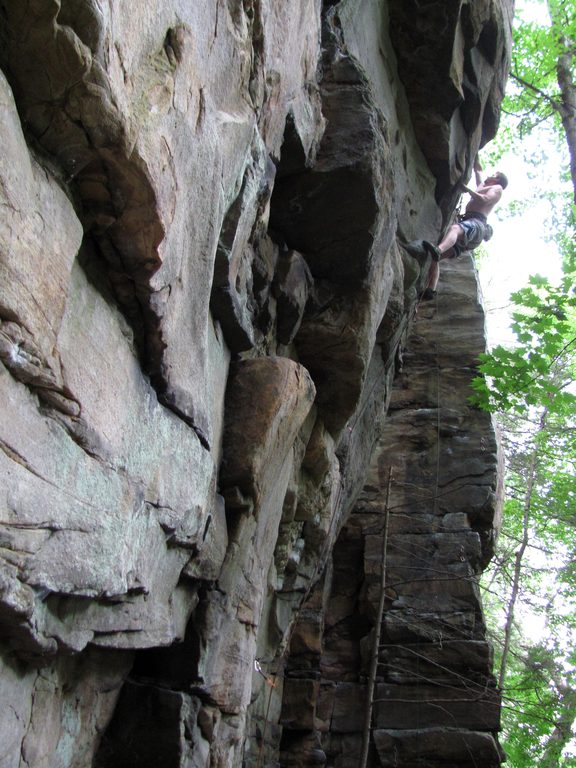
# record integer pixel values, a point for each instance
(429, 510)
(203, 302)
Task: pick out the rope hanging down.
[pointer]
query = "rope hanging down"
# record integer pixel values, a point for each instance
(377, 632)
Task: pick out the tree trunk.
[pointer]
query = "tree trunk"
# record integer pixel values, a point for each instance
(518, 560)
(564, 69)
(562, 733)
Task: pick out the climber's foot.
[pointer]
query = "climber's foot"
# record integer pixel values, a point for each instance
(427, 294)
(433, 250)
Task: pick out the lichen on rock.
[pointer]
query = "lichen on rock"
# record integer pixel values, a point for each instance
(205, 306)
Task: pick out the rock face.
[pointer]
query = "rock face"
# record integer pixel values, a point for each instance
(204, 300)
(428, 510)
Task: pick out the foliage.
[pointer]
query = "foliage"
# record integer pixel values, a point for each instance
(539, 108)
(537, 554)
(533, 100)
(533, 387)
(534, 704)
(543, 74)
(544, 322)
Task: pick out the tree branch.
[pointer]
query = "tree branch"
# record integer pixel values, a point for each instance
(556, 105)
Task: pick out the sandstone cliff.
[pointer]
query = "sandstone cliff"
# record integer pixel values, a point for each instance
(204, 302)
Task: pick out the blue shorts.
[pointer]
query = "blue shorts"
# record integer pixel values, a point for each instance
(474, 233)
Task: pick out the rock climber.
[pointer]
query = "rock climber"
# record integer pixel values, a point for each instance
(472, 227)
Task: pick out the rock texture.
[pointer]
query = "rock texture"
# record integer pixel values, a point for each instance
(204, 300)
(429, 509)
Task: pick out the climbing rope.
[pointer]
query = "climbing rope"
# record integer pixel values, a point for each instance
(435, 510)
(377, 633)
(367, 731)
(380, 612)
(271, 682)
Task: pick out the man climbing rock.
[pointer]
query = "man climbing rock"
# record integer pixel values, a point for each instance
(472, 227)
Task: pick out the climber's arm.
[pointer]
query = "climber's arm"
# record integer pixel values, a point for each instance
(484, 195)
(478, 173)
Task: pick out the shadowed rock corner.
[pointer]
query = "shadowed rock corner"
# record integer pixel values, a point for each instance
(213, 231)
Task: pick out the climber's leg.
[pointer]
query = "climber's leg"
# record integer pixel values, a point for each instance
(444, 250)
(433, 276)
(455, 234)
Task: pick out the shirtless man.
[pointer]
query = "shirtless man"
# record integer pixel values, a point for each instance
(472, 228)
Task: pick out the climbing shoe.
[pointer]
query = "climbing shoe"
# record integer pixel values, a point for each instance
(433, 250)
(427, 294)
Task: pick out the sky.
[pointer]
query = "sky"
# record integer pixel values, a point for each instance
(519, 247)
